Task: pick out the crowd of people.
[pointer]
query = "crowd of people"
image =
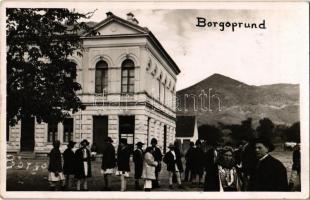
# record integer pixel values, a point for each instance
(249, 167)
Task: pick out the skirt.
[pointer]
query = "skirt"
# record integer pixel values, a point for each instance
(108, 171)
(148, 184)
(52, 177)
(124, 173)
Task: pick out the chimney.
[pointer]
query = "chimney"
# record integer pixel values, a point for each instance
(135, 21)
(109, 14)
(130, 16)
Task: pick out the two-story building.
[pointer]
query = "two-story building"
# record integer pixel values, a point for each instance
(128, 86)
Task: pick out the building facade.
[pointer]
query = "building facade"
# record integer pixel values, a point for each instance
(128, 86)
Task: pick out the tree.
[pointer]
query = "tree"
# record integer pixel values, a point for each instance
(210, 133)
(265, 128)
(40, 77)
(293, 133)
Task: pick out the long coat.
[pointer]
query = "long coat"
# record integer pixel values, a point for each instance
(138, 160)
(55, 164)
(80, 163)
(123, 156)
(211, 179)
(149, 165)
(69, 162)
(197, 164)
(270, 175)
(171, 162)
(108, 157)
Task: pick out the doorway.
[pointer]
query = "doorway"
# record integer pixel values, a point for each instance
(100, 132)
(27, 134)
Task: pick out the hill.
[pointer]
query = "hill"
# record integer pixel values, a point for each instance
(222, 99)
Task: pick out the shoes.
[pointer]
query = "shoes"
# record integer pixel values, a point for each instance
(180, 187)
(170, 187)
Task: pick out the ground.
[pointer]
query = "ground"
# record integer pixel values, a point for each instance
(34, 178)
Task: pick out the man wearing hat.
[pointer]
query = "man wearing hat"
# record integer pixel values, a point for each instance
(108, 162)
(138, 160)
(83, 165)
(270, 173)
(158, 158)
(69, 164)
(174, 165)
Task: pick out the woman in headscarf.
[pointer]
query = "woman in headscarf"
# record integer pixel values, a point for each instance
(149, 164)
(123, 156)
(229, 176)
(83, 165)
(56, 175)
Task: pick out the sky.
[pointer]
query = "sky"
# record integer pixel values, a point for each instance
(277, 54)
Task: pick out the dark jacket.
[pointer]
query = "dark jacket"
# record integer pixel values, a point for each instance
(123, 156)
(197, 161)
(55, 164)
(270, 175)
(171, 162)
(69, 161)
(108, 157)
(79, 173)
(138, 160)
(211, 179)
(157, 157)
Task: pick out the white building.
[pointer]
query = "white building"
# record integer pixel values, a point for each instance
(186, 131)
(128, 86)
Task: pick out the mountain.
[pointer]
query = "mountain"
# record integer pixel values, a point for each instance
(222, 99)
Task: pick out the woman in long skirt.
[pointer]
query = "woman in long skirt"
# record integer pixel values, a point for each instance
(149, 164)
(56, 175)
(83, 165)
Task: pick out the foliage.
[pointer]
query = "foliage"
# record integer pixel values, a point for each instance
(293, 133)
(210, 133)
(265, 128)
(40, 79)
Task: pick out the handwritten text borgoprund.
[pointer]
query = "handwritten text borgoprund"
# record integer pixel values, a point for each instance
(225, 25)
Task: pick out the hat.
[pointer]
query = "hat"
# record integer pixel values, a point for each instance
(87, 143)
(140, 144)
(109, 139)
(266, 142)
(171, 145)
(71, 143)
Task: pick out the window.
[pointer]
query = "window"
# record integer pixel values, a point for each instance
(127, 128)
(128, 76)
(68, 129)
(52, 132)
(101, 79)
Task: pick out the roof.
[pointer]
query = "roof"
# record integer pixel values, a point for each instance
(144, 32)
(185, 126)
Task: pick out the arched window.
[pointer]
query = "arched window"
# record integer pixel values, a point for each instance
(101, 79)
(128, 76)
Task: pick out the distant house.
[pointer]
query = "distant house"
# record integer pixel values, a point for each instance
(186, 130)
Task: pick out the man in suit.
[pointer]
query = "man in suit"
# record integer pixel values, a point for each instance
(270, 173)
